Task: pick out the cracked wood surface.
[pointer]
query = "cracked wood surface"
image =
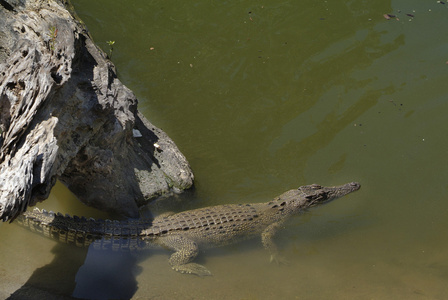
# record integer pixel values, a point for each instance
(65, 115)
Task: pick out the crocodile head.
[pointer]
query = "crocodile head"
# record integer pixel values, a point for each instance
(311, 195)
(315, 194)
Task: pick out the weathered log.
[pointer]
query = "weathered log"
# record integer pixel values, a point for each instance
(65, 115)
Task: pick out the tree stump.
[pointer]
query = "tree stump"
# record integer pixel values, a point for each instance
(65, 115)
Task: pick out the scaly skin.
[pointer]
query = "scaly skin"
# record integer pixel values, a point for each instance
(187, 232)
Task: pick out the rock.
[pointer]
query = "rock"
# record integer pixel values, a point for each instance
(65, 115)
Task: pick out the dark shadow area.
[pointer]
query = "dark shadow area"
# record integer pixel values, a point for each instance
(55, 280)
(77, 273)
(107, 274)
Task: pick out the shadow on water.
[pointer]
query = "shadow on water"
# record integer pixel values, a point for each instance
(106, 275)
(83, 274)
(55, 279)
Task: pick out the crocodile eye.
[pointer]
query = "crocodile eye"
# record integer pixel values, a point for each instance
(316, 186)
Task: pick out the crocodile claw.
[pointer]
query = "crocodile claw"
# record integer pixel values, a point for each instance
(192, 268)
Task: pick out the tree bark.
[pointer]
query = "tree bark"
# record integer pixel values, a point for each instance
(65, 115)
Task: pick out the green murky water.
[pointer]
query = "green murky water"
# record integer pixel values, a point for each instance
(262, 98)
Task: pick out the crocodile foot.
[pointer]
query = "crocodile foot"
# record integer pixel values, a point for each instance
(192, 268)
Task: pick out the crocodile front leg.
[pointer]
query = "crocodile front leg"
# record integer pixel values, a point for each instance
(267, 238)
(185, 251)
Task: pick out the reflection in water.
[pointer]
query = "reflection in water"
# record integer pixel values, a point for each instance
(302, 148)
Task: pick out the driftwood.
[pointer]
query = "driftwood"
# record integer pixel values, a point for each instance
(65, 115)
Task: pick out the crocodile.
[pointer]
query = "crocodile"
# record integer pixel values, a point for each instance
(187, 232)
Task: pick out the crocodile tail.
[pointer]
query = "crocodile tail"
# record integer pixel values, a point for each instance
(81, 231)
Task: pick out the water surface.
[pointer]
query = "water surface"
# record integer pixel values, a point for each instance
(262, 98)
